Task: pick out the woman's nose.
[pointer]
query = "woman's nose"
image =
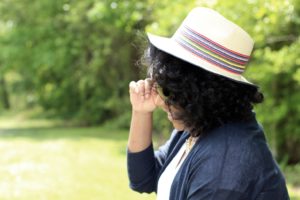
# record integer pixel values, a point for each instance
(160, 103)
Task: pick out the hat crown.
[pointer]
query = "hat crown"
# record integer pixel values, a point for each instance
(216, 27)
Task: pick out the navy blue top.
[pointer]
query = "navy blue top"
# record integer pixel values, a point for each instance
(229, 163)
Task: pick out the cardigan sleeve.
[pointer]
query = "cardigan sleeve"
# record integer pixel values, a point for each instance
(143, 167)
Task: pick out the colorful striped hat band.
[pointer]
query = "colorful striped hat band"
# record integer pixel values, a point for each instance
(210, 41)
(211, 51)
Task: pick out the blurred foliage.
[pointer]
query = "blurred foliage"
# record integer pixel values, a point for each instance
(76, 58)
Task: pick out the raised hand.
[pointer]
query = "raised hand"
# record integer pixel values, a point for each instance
(143, 95)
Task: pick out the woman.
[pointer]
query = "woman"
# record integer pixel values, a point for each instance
(217, 149)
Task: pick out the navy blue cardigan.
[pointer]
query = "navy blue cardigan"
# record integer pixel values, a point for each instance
(231, 162)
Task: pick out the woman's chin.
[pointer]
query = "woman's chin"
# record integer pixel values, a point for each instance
(176, 124)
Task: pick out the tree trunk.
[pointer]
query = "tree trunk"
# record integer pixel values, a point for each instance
(287, 147)
(287, 140)
(4, 93)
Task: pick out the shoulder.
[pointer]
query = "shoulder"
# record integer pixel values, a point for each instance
(230, 154)
(234, 157)
(239, 139)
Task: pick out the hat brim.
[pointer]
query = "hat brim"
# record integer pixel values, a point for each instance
(173, 48)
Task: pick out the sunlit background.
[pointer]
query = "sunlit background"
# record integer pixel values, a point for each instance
(65, 66)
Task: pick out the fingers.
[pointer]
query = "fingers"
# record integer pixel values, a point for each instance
(153, 88)
(133, 87)
(143, 88)
(148, 87)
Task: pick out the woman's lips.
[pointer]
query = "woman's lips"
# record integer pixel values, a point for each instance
(170, 116)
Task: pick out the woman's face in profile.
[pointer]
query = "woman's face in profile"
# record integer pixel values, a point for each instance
(177, 124)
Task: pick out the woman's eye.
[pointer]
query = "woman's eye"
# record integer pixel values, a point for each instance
(166, 92)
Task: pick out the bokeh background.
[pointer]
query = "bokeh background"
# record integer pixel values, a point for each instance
(65, 66)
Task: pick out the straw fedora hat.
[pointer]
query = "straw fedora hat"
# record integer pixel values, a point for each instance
(208, 40)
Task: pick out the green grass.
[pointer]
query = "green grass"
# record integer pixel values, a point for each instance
(294, 192)
(64, 163)
(40, 160)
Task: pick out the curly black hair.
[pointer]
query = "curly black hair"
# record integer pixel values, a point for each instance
(205, 100)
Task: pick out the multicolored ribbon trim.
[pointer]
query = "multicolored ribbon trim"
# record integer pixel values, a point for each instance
(211, 51)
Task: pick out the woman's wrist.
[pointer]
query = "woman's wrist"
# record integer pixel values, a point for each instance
(141, 112)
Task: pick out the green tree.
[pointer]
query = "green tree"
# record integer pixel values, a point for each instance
(76, 58)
